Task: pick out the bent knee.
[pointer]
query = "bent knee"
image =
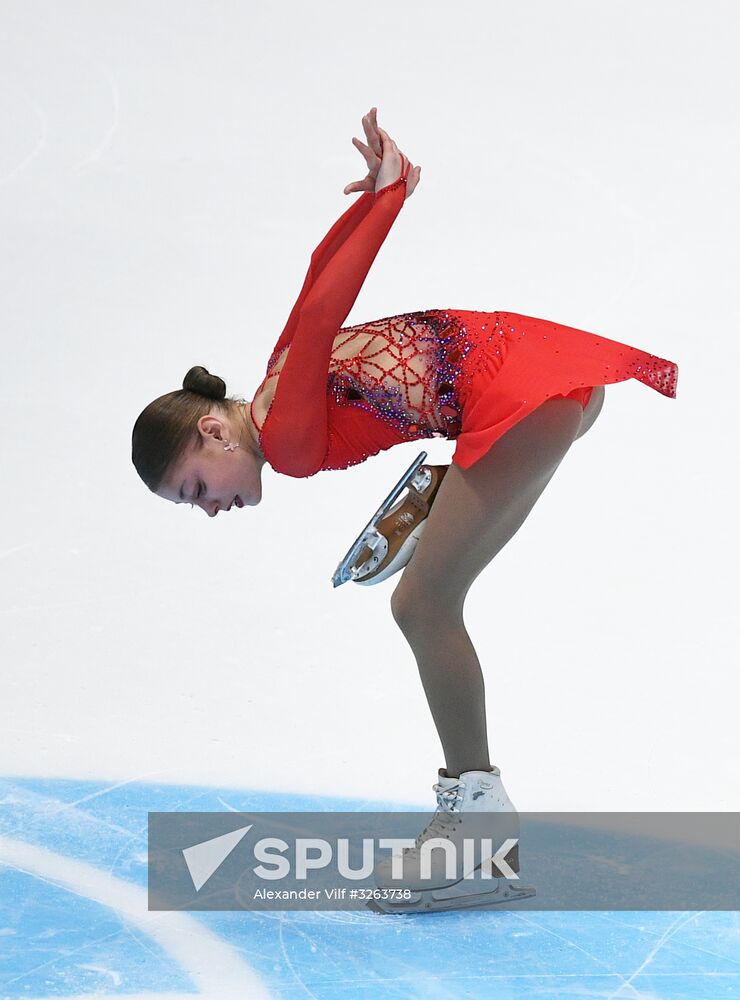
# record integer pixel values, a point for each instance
(404, 606)
(419, 610)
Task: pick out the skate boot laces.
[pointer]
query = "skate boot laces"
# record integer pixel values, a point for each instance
(448, 801)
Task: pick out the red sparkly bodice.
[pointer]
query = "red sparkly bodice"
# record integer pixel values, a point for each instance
(403, 369)
(340, 394)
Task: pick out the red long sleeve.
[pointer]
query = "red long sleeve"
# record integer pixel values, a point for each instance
(294, 434)
(336, 236)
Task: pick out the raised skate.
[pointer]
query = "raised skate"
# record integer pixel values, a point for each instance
(387, 542)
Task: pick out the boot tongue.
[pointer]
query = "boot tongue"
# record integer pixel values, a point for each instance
(444, 779)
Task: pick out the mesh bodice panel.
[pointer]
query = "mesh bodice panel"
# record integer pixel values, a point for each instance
(404, 368)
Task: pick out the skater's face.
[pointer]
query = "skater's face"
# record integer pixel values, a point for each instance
(214, 478)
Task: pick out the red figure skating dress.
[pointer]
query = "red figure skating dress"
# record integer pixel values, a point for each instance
(345, 393)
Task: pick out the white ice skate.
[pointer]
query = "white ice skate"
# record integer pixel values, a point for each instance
(476, 816)
(388, 540)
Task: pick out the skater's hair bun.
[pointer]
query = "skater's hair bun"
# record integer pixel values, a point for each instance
(169, 424)
(200, 380)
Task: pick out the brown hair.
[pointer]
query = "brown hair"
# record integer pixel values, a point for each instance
(165, 428)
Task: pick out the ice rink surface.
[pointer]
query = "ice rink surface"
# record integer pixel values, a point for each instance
(74, 923)
(166, 170)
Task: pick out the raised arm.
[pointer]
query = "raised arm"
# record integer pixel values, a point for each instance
(295, 434)
(336, 236)
(372, 151)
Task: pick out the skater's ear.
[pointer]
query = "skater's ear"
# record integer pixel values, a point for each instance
(211, 425)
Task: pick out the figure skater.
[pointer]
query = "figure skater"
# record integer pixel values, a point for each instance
(513, 391)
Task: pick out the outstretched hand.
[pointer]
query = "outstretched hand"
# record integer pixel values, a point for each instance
(384, 159)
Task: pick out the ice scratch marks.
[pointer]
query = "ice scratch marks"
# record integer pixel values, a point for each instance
(216, 968)
(286, 957)
(115, 976)
(543, 927)
(60, 38)
(672, 929)
(16, 548)
(23, 163)
(68, 954)
(96, 153)
(62, 806)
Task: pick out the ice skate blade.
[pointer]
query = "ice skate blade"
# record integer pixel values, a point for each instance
(343, 572)
(456, 897)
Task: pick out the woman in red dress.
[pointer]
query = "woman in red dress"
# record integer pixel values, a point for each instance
(513, 391)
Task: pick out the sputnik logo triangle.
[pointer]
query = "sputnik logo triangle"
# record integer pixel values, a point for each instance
(203, 859)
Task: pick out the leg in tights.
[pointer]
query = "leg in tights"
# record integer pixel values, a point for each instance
(475, 513)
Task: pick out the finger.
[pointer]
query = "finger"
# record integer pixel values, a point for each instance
(364, 185)
(368, 153)
(387, 139)
(376, 127)
(371, 131)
